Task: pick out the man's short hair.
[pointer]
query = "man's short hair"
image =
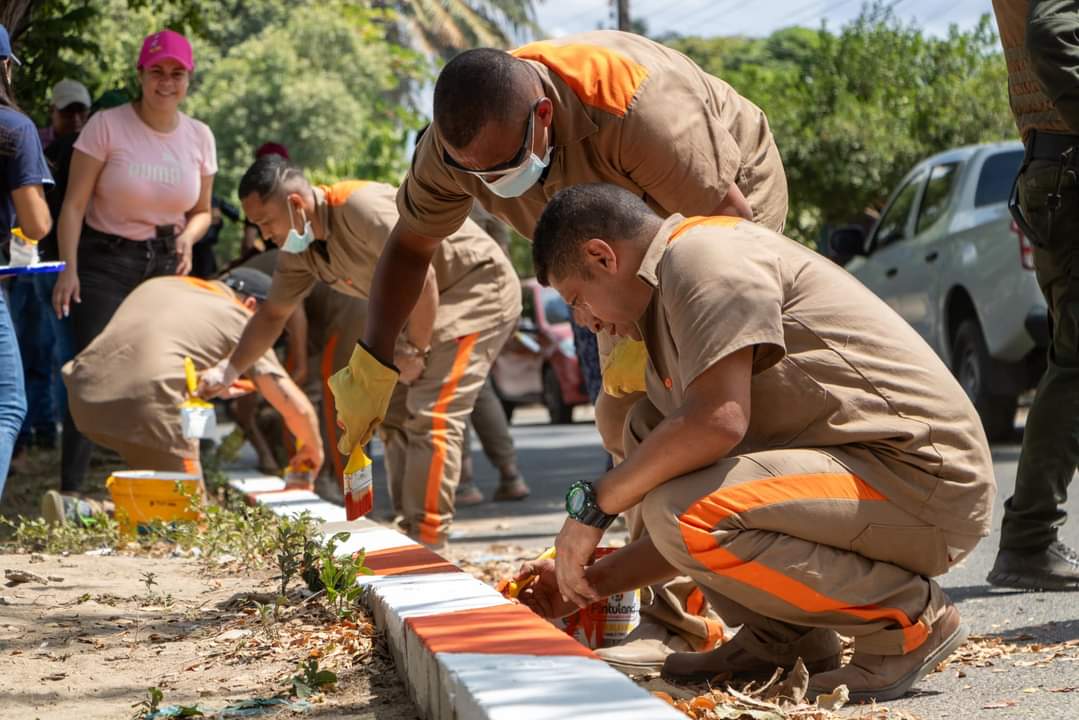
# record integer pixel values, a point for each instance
(578, 214)
(267, 175)
(478, 87)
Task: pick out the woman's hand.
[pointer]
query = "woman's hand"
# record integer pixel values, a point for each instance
(66, 290)
(183, 254)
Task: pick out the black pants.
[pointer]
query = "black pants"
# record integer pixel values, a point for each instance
(110, 267)
(1033, 515)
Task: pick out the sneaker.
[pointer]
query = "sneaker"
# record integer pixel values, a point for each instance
(467, 494)
(820, 649)
(644, 650)
(881, 678)
(511, 489)
(1054, 568)
(58, 509)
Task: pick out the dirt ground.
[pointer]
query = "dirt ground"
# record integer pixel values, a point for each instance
(90, 642)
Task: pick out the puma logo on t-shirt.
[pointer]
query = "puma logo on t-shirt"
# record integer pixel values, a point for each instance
(167, 173)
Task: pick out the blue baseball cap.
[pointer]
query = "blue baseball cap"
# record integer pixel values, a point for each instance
(5, 46)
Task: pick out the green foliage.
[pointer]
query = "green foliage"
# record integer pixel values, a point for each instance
(338, 575)
(310, 680)
(445, 27)
(35, 535)
(852, 111)
(296, 547)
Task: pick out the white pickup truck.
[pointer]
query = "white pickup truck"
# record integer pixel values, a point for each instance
(947, 257)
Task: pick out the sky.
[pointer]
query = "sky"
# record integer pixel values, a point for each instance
(748, 17)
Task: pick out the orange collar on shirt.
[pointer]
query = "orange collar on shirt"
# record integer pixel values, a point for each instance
(690, 223)
(598, 76)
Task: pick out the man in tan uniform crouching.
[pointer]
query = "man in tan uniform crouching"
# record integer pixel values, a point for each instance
(512, 129)
(801, 453)
(471, 302)
(126, 387)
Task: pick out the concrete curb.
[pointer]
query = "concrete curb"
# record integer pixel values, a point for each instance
(464, 651)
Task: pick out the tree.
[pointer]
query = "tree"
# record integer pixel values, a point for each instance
(853, 111)
(442, 28)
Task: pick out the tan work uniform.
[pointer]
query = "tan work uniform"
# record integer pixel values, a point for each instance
(634, 113)
(864, 470)
(479, 303)
(126, 387)
(335, 323)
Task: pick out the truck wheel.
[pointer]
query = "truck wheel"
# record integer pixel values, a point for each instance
(561, 414)
(972, 366)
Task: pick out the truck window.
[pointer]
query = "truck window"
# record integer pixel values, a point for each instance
(935, 197)
(995, 181)
(893, 224)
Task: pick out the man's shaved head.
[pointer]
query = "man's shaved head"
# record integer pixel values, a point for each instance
(479, 87)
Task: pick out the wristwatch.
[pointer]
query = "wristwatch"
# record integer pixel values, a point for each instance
(581, 506)
(406, 348)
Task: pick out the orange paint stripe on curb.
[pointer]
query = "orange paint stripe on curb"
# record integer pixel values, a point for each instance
(410, 560)
(502, 629)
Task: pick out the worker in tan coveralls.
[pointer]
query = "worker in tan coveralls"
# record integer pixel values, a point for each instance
(801, 453)
(471, 302)
(512, 129)
(126, 387)
(326, 326)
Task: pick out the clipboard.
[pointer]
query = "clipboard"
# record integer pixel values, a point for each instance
(45, 267)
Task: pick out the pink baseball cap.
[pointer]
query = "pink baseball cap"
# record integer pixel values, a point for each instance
(166, 45)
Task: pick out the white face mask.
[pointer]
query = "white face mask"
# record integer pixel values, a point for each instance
(516, 183)
(294, 241)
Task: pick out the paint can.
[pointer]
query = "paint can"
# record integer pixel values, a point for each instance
(606, 622)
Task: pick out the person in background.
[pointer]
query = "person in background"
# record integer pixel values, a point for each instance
(43, 345)
(253, 242)
(203, 260)
(138, 198)
(23, 177)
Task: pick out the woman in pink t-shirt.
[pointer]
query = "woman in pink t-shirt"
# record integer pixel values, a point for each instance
(137, 199)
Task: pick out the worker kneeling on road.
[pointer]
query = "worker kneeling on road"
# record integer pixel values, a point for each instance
(125, 389)
(470, 303)
(802, 454)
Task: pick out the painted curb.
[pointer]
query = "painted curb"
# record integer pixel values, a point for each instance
(464, 651)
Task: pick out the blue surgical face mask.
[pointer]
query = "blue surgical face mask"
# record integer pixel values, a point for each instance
(516, 183)
(294, 241)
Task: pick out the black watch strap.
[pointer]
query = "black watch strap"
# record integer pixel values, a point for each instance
(589, 513)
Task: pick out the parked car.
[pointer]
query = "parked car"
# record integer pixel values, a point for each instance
(539, 363)
(947, 257)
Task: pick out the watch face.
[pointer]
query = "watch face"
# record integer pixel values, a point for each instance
(575, 501)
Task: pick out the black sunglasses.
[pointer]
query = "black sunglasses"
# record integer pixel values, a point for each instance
(506, 167)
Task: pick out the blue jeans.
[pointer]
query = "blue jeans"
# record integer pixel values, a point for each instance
(12, 396)
(35, 326)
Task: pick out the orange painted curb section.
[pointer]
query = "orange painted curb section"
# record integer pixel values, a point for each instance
(502, 629)
(410, 560)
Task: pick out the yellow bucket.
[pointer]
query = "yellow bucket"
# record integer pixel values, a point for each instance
(142, 496)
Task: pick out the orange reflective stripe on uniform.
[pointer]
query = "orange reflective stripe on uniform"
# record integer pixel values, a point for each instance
(695, 602)
(599, 77)
(431, 521)
(690, 223)
(213, 287)
(329, 410)
(338, 193)
(700, 519)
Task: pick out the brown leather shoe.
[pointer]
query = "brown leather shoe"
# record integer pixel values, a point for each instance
(820, 650)
(510, 489)
(887, 677)
(467, 494)
(644, 650)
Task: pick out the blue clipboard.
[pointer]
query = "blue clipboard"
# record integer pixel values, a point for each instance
(45, 267)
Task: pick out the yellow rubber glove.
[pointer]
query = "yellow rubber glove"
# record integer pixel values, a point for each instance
(361, 392)
(623, 373)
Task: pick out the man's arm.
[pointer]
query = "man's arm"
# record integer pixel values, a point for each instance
(399, 280)
(299, 415)
(709, 424)
(734, 204)
(259, 335)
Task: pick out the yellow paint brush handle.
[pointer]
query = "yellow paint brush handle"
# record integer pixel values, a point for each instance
(192, 376)
(513, 588)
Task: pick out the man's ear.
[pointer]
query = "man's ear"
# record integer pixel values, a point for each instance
(250, 303)
(599, 256)
(545, 112)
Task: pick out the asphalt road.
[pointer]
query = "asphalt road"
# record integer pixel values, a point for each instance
(551, 457)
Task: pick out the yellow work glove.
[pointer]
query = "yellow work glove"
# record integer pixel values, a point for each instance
(361, 393)
(623, 373)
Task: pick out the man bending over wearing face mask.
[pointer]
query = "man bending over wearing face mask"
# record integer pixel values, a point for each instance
(470, 305)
